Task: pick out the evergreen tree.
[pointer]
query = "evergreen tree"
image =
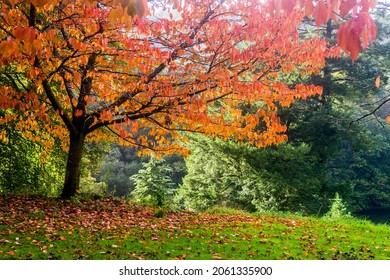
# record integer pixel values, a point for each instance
(153, 186)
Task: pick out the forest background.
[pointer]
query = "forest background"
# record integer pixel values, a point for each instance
(337, 147)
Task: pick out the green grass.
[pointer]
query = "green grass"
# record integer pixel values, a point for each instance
(37, 228)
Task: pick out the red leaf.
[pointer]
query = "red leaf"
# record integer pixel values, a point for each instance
(346, 6)
(334, 10)
(25, 33)
(348, 38)
(353, 45)
(288, 5)
(276, 6)
(342, 38)
(321, 13)
(309, 8)
(367, 29)
(365, 5)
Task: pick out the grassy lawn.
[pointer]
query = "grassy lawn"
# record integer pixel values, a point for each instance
(38, 228)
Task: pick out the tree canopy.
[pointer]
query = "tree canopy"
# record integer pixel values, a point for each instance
(92, 70)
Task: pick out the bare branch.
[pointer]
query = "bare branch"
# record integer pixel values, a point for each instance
(373, 112)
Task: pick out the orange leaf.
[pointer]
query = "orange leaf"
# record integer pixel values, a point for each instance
(365, 38)
(41, 3)
(378, 81)
(115, 14)
(78, 113)
(74, 102)
(388, 119)
(134, 127)
(123, 133)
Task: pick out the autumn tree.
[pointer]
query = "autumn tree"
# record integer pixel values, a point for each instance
(91, 70)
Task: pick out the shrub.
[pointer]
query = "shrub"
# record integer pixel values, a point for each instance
(338, 209)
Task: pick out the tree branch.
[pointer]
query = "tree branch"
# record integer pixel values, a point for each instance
(372, 112)
(57, 107)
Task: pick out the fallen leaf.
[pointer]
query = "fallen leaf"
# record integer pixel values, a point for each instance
(378, 81)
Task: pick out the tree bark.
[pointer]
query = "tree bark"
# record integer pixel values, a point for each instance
(73, 166)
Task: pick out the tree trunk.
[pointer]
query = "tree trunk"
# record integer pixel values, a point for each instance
(73, 166)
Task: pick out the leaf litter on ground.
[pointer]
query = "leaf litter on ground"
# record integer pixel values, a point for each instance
(33, 227)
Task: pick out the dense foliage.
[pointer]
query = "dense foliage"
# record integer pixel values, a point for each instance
(27, 167)
(273, 140)
(338, 142)
(153, 185)
(220, 173)
(72, 71)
